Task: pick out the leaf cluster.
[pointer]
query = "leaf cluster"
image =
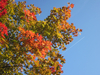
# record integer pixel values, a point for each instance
(32, 46)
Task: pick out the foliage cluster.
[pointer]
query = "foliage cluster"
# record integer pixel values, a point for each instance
(30, 46)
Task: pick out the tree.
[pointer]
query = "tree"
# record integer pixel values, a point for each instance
(30, 46)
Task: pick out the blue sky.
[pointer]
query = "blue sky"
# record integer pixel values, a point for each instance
(83, 54)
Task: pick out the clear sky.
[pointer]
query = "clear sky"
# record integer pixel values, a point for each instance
(83, 54)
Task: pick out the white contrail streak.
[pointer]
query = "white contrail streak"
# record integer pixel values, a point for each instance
(74, 44)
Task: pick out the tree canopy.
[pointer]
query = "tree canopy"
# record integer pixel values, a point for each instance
(30, 46)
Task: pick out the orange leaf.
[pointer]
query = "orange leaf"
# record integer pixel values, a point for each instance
(72, 5)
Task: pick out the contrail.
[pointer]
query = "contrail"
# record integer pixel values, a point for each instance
(74, 44)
